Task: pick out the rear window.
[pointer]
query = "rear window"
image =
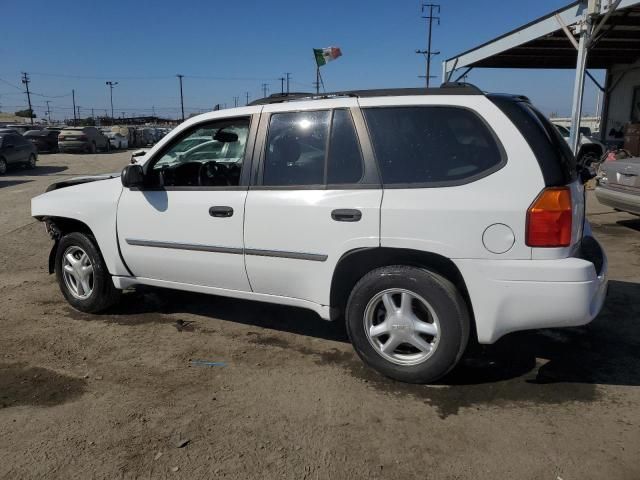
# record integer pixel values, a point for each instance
(557, 162)
(432, 145)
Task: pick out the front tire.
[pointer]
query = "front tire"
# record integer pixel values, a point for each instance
(82, 274)
(407, 323)
(3, 166)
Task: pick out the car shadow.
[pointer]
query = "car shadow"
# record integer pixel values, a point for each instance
(603, 352)
(36, 172)
(142, 305)
(633, 223)
(11, 183)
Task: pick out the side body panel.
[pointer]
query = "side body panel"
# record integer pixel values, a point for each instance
(451, 221)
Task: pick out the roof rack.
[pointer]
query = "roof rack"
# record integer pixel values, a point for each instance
(457, 88)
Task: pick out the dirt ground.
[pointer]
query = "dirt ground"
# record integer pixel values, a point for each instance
(116, 395)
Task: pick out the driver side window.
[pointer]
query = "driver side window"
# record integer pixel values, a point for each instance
(210, 154)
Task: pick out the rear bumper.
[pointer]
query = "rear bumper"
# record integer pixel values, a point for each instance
(624, 201)
(73, 145)
(513, 295)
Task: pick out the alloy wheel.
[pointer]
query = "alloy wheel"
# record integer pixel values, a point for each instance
(402, 326)
(77, 272)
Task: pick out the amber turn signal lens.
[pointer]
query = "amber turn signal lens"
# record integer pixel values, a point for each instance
(549, 219)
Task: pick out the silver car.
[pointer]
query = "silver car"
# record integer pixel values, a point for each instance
(618, 185)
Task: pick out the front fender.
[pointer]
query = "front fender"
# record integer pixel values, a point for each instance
(95, 204)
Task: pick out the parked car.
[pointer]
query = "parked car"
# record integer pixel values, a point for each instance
(83, 139)
(618, 184)
(22, 128)
(44, 140)
(345, 206)
(590, 149)
(16, 150)
(117, 140)
(10, 130)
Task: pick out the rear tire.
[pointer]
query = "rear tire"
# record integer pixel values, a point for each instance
(31, 163)
(407, 323)
(3, 166)
(92, 147)
(82, 274)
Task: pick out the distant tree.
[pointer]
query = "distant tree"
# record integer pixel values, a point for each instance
(26, 113)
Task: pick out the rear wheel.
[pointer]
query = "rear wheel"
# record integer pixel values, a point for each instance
(408, 323)
(82, 274)
(31, 163)
(3, 166)
(92, 147)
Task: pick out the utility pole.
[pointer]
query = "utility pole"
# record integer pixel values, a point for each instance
(235, 101)
(181, 97)
(48, 110)
(265, 88)
(428, 53)
(111, 85)
(281, 85)
(79, 117)
(73, 96)
(26, 80)
(246, 94)
(288, 78)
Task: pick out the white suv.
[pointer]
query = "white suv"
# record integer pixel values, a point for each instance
(421, 217)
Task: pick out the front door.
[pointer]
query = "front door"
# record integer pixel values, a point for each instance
(186, 226)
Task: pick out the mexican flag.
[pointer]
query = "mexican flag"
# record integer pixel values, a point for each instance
(325, 55)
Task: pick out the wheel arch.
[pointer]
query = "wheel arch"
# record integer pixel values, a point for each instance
(57, 227)
(355, 264)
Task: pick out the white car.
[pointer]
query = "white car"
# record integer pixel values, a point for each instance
(117, 140)
(421, 217)
(590, 149)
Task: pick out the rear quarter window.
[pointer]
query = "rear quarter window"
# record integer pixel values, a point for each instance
(425, 146)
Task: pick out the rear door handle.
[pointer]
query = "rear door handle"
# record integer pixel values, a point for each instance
(221, 212)
(346, 215)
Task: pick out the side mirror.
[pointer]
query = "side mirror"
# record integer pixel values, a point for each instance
(132, 176)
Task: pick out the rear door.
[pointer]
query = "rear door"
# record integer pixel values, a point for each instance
(316, 195)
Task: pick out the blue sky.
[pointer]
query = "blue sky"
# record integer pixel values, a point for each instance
(225, 49)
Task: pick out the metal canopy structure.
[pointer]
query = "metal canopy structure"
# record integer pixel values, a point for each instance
(586, 34)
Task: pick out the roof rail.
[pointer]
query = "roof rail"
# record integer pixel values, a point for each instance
(457, 88)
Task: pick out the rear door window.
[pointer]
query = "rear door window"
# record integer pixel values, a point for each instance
(432, 145)
(344, 162)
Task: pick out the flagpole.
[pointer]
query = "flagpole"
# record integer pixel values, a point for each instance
(317, 80)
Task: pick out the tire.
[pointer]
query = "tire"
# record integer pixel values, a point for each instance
(92, 147)
(107, 147)
(3, 166)
(441, 315)
(31, 163)
(101, 291)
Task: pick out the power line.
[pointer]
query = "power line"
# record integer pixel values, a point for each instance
(25, 81)
(181, 97)
(428, 53)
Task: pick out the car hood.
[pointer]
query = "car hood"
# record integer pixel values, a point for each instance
(84, 179)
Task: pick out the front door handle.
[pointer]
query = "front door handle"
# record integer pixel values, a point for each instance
(346, 215)
(221, 212)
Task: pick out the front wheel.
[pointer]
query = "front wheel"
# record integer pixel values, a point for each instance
(3, 166)
(82, 274)
(408, 323)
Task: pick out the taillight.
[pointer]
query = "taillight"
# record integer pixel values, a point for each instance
(60, 137)
(549, 219)
(82, 137)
